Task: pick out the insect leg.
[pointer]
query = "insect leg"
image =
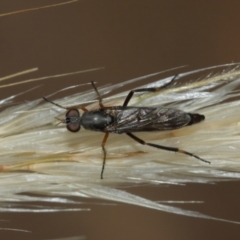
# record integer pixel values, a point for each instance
(67, 108)
(47, 100)
(98, 94)
(129, 96)
(172, 149)
(104, 152)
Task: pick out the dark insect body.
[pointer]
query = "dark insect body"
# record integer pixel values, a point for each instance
(124, 119)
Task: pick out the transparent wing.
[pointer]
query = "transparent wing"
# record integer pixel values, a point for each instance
(132, 119)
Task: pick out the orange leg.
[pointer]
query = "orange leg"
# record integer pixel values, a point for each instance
(104, 152)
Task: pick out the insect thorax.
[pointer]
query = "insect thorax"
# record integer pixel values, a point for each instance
(96, 120)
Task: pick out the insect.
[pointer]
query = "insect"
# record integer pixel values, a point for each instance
(124, 119)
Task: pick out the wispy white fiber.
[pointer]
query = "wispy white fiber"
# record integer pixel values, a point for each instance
(37, 8)
(69, 238)
(14, 230)
(38, 156)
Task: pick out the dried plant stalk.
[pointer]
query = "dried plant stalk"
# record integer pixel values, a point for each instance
(39, 157)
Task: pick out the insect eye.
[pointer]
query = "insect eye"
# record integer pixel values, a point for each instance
(73, 120)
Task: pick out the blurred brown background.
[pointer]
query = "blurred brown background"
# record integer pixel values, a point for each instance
(130, 39)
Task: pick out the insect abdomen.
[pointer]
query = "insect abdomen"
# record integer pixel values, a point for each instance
(195, 118)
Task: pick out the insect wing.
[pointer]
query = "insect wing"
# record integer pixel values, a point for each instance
(150, 119)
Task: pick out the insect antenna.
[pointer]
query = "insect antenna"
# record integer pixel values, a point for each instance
(60, 121)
